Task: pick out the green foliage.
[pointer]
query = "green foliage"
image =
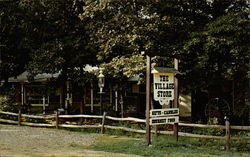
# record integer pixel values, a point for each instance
(164, 145)
(13, 48)
(115, 27)
(5, 103)
(120, 67)
(222, 46)
(81, 77)
(241, 146)
(7, 100)
(121, 29)
(43, 36)
(210, 37)
(220, 53)
(209, 131)
(65, 49)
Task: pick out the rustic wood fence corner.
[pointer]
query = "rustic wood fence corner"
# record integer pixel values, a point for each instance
(55, 121)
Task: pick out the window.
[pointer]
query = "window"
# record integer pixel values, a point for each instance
(37, 95)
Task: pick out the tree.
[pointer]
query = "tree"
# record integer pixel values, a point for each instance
(125, 28)
(121, 68)
(220, 53)
(57, 37)
(13, 48)
(205, 35)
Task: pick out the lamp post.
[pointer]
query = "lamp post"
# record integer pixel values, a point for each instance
(101, 82)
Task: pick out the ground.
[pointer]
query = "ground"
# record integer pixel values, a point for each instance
(21, 141)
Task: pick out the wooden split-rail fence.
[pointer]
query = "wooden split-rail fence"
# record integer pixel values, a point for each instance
(55, 120)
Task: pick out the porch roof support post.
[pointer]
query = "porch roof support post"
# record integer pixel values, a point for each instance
(116, 100)
(44, 99)
(22, 93)
(92, 97)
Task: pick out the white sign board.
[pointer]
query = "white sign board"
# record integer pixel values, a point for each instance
(163, 87)
(164, 112)
(164, 120)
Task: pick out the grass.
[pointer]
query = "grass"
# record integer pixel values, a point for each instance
(165, 146)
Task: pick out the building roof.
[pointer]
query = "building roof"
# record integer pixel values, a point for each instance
(45, 76)
(164, 70)
(134, 78)
(38, 78)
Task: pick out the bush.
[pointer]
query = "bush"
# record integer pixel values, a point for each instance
(6, 104)
(7, 100)
(208, 131)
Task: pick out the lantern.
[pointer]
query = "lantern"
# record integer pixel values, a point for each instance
(101, 80)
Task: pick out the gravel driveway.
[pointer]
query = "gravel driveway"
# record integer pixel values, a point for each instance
(24, 141)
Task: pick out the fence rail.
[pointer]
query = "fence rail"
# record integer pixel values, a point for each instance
(246, 128)
(56, 118)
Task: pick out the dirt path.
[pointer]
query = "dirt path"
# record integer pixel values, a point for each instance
(43, 142)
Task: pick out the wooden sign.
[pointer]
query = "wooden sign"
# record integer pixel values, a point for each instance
(164, 120)
(164, 112)
(163, 87)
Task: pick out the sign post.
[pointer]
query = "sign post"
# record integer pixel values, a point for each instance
(176, 97)
(148, 99)
(166, 90)
(167, 95)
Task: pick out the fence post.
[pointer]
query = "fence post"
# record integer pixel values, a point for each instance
(19, 117)
(103, 122)
(57, 119)
(156, 130)
(227, 123)
(175, 130)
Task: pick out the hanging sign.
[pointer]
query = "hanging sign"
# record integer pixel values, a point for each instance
(163, 87)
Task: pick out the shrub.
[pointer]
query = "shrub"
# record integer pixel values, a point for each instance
(6, 104)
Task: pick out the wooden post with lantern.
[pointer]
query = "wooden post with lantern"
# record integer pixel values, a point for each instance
(101, 82)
